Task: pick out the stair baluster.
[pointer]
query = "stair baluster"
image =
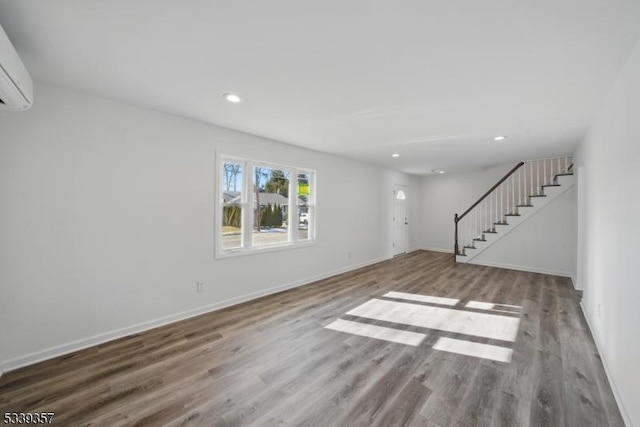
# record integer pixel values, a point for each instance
(516, 189)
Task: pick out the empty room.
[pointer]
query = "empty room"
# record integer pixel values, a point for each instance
(355, 213)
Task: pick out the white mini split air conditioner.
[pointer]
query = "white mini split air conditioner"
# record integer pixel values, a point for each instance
(16, 86)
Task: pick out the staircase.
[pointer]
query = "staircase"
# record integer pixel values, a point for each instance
(522, 192)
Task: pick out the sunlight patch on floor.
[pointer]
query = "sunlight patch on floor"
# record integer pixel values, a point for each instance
(377, 332)
(485, 325)
(421, 298)
(503, 308)
(489, 325)
(475, 349)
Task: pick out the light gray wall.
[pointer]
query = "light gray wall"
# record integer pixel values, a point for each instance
(545, 243)
(441, 196)
(107, 222)
(416, 226)
(609, 232)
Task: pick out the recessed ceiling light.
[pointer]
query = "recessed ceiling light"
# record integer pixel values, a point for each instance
(440, 171)
(232, 97)
(500, 138)
(395, 155)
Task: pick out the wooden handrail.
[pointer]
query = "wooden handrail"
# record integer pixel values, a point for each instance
(457, 218)
(511, 172)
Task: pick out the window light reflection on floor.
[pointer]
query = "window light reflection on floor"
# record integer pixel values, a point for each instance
(485, 325)
(421, 298)
(503, 308)
(489, 325)
(475, 349)
(378, 332)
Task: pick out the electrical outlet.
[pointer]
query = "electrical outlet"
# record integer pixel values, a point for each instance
(599, 309)
(349, 254)
(199, 286)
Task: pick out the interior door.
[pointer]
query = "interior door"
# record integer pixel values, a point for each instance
(400, 223)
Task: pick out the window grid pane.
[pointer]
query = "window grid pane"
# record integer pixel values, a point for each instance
(270, 206)
(263, 205)
(304, 197)
(232, 179)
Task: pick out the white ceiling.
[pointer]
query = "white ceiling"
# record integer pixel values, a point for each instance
(431, 80)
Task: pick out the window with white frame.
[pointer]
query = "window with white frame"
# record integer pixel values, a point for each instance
(263, 205)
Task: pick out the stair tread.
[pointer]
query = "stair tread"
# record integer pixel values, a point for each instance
(527, 205)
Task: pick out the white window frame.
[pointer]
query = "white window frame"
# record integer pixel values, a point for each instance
(248, 201)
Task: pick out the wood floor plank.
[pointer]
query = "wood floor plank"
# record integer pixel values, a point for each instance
(271, 361)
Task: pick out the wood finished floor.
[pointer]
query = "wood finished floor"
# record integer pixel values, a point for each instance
(272, 362)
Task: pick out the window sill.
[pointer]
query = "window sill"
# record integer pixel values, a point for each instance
(231, 253)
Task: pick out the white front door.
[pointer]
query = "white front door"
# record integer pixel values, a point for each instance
(400, 223)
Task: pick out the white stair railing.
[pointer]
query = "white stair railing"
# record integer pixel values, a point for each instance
(527, 179)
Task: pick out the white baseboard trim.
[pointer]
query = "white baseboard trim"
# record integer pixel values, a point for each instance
(61, 350)
(616, 394)
(521, 268)
(577, 285)
(447, 251)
